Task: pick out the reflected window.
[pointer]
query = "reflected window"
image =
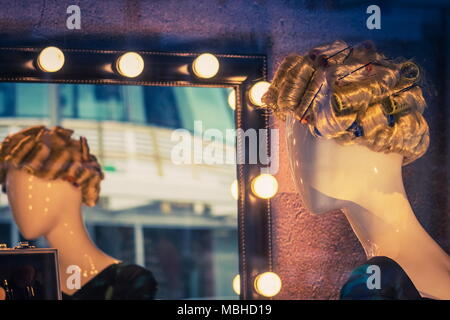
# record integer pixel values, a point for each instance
(122, 248)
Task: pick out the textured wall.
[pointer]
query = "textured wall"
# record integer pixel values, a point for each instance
(313, 253)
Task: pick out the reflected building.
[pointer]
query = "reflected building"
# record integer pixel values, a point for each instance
(178, 220)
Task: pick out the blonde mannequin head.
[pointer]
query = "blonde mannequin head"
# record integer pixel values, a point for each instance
(52, 154)
(44, 172)
(353, 95)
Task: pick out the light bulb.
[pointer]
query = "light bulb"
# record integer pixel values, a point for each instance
(268, 284)
(130, 64)
(237, 284)
(50, 59)
(205, 66)
(234, 190)
(257, 91)
(265, 186)
(232, 99)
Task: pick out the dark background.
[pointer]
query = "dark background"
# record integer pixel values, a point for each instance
(313, 254)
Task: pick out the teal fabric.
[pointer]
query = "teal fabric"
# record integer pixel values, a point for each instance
(394, 282)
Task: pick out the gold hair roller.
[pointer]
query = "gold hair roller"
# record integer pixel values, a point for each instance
(293, 89)
(55, 163)
(410, 71)
(342, 101)
(37, 157)
(19, 152)
(83, 175)
(400, 102)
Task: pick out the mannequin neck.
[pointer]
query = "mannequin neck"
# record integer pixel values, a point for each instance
(386, 225)
(75, 248)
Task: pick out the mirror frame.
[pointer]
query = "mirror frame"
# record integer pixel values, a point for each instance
(87, 66)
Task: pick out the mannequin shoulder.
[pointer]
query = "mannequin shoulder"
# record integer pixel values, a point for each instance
(134, 282)
(379, 278)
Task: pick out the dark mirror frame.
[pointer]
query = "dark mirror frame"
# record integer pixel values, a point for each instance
(18, 64)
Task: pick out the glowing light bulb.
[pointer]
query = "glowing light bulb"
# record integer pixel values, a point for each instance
(234, 190)
(268, 284)
(130, 64)
(237, 284)
(232, 99)
(265, 186)
(51, 59)
(205, 66)
(257, 91)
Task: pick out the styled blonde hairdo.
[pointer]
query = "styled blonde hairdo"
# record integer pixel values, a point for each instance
(353, 95)
(53, 154)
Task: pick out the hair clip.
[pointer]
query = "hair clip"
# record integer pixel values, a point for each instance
(392, 105)
(313, 55)
(310, 104)
(390, 120)
(357, 69)
(368, 45)
(72, 180)
(356, 128)
(340, 51)
(317, 132)
(405, 89)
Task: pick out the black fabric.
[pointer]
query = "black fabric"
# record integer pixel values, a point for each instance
(394, 283)
(118, 282)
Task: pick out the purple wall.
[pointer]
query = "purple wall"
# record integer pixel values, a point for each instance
(313, 253)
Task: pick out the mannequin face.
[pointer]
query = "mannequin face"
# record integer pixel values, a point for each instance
(329, 175)
(38, 204)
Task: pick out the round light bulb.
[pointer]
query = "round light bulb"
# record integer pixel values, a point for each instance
(265, 186)
(268, 284)
(232, 99)
(237, 284)
(205, 66)
(130, 64)
(257, 91)
(234, 190)
(51, 59)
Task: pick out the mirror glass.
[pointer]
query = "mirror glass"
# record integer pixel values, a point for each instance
(176, 218)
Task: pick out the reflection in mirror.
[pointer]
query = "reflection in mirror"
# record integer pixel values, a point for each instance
(177, 220)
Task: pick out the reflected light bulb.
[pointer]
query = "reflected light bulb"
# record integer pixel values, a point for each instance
(234, 190)
(268, 284)
(237, 284)
(205, 66)
(130, 64)
(51, 59)
(265, 186)
(257, 91)
(232, 99)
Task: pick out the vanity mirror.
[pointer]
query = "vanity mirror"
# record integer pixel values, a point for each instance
(159, 124)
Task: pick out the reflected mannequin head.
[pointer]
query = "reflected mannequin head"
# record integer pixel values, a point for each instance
(44, 172)
(353, 118)
(37, 204)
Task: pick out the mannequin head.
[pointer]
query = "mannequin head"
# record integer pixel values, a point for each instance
(329, 175)
(353, 119)
(37, 204)
(44, 172)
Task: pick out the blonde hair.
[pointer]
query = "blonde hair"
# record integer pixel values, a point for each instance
(53, 154)
(353, 95)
